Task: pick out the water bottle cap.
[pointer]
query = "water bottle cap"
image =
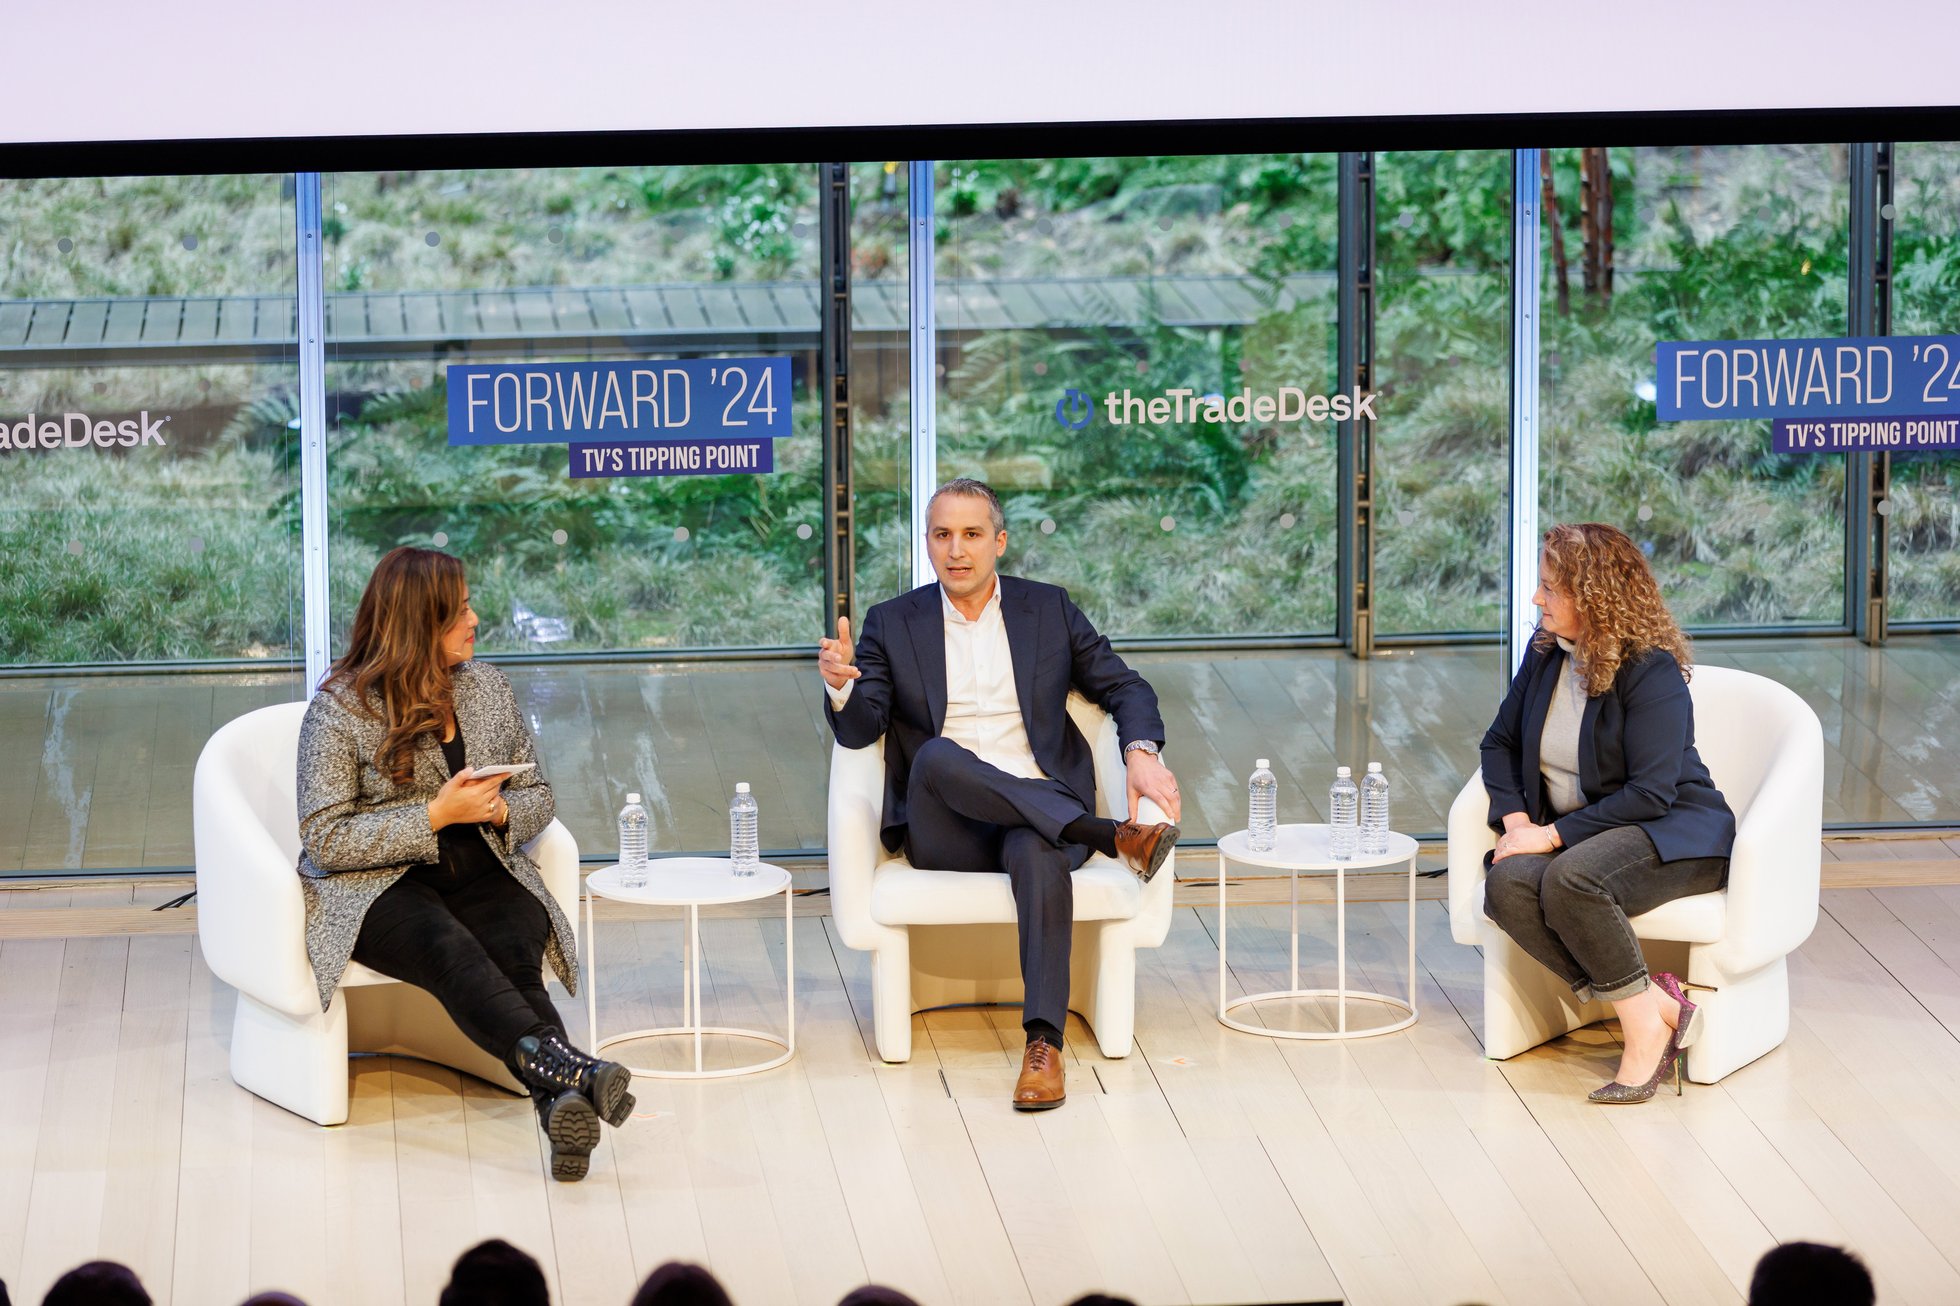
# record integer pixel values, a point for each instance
(632, 798)
(1262, 764)
(742, 787)
(1375, 767)
(1342, 772)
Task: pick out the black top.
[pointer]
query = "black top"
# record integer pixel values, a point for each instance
(452, 752)
(1637, 759)
(465, 852)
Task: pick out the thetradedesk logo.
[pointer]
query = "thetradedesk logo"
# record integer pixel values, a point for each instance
(79, 431)
(1074, 409)
(1288, 404)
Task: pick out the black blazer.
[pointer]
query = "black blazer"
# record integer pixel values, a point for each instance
(1637, 759)
(900, 692)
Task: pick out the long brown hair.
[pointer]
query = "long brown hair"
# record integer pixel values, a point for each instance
(395, 652)
(1621, 613)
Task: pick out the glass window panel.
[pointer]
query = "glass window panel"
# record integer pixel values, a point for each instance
(881, 380)
(432, 268)
(1707, 243)
(1924, 517)
(1211, 275)
(146, 329)
(1443, 364)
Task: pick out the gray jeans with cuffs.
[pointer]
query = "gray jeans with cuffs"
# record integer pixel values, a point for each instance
(1569, 909)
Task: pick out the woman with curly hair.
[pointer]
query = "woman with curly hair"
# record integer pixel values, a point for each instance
(413, 863)
(1603, 808)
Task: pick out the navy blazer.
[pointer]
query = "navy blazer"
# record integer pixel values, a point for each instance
(900, 691)
(1637, 759)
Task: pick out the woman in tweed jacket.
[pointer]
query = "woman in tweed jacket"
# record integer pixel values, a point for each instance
(414, 866)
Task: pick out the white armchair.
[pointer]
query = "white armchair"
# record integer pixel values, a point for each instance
(251, 924)
(1765, 750)
(938, 938)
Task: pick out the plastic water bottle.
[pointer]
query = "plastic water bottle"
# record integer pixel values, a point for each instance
(1342, 800)
(741, 831)
(632, 844)
(1262, 826)
(1374, 812)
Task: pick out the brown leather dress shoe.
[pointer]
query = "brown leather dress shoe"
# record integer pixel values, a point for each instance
(1040, 1084)
(1143, 848)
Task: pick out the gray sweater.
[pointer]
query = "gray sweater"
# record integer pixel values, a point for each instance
(1558, 746)
(359, 830)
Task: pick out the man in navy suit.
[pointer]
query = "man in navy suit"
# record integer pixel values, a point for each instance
(968, 682)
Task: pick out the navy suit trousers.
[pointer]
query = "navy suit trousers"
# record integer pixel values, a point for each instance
(964, 814)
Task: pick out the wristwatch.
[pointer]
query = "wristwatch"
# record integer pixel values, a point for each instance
(1143, 745)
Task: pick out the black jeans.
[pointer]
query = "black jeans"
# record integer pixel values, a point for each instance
(473, 936)
(963, 814)
(1569, 909)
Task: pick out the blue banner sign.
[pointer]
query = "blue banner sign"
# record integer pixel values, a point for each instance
(1860, 376)
(1833, 377)
(671, 399)
(673, 458)
(1851, 434)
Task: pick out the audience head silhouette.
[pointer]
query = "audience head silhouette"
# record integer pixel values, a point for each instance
(677, 1283)
(494, 1273)
(876, 1294)
(98, 1283)
(1810, 1274)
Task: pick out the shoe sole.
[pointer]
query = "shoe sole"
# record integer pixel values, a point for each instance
(1040, 1106)
(611, 1097)
(1161, 854)
(572, 1127)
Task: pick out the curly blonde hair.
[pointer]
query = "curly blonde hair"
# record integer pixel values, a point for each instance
(1622, 616)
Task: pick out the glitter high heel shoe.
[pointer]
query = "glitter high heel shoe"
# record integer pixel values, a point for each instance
(1617, 1094)
(1689, 1022)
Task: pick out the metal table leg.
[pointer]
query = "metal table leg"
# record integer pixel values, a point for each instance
(694, 963)
(789, 965)
(1221, 936)
(1340, 941)
(591, 979)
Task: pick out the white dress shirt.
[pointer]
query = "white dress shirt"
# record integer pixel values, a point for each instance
(983, 708)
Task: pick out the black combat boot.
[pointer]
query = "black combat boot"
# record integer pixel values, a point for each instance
(550, 1063)
(571, 1124)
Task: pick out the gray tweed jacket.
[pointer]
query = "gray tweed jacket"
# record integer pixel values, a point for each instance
(359, 830)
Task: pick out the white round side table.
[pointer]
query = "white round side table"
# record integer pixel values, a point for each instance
(694, 883)
(1301, 848)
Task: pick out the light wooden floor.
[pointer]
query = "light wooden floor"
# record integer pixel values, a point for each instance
(1208, 1166)
(102, 766)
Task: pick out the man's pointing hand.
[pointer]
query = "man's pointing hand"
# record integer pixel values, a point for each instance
(834, 657)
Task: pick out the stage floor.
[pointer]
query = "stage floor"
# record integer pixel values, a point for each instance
(103, 765)
(1208, 1166)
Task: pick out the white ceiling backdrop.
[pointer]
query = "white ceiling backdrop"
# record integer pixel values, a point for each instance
(129, 70)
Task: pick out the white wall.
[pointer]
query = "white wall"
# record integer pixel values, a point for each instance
(120, 69)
